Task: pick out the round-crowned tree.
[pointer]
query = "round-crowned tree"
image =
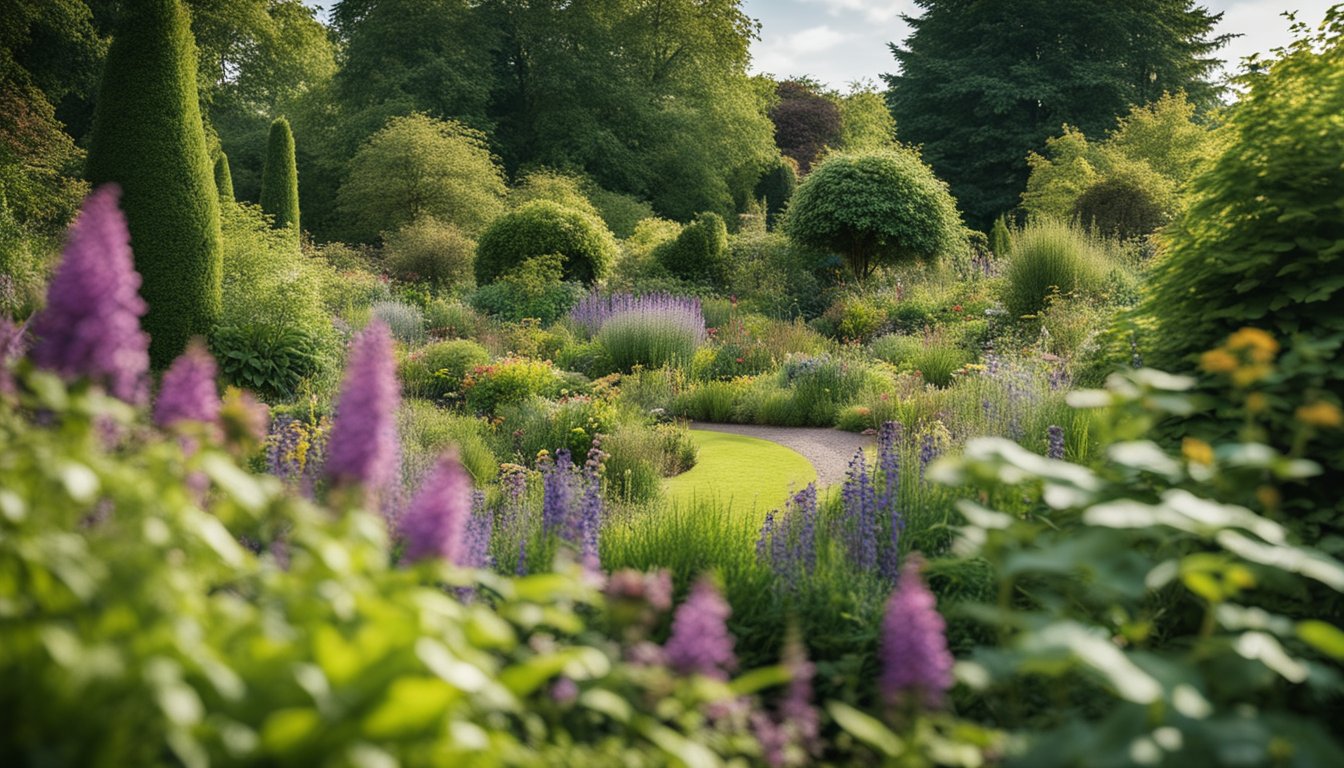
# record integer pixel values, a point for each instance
(699, 253)
(542, 227)
(223, 178)
(280, 178)
(875, 208)
(1120, 206)
(148, 138)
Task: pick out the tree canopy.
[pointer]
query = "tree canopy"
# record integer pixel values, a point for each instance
(980, 85)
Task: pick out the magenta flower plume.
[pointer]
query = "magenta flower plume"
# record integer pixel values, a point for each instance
(188, 392)
(90, 327)
(916, 664)
(362, 448)
(435, 526)
(700, 643)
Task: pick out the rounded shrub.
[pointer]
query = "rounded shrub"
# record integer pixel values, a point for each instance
(511, 380)
(1050, 257)
(437, 370)
(875, 208)
(280, 178)
(431, 251)
(406, 321)
(699, 253)
(539, 228)
(148, 138)
(1120, 206)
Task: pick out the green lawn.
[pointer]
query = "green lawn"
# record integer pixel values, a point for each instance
(746, 471)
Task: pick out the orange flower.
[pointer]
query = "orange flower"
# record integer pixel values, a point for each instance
(1197, 451)
(1321, 414)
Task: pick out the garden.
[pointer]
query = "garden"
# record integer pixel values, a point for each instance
(423, 388)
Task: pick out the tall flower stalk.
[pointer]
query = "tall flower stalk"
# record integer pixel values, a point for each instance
(362, 448)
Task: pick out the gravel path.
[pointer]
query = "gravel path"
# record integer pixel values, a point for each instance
(829, 450)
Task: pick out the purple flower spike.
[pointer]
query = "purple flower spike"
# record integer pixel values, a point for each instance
(363, 444)
(700, 643)
(188, 392)
(916, 665)
(1055, 437)
(435, 526)
(90, 327)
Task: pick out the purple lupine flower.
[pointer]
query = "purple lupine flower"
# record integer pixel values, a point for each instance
(766, 538)
(796, 710)
(557, 491)
(521, 568)
(916, 665)
(1055, 437)
(860, 515)
(773, 738)
(788, 540)
(889, 463)
(435, 525)
(188, 392)
(590, 511)
(700, 643)
(362, 447)
(928, 451)
(480, 527)
(90, 327)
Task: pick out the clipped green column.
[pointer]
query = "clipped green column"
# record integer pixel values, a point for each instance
(280, 178)
(148, 138)
(223, 178)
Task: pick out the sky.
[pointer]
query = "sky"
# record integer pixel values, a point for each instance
(842, 41)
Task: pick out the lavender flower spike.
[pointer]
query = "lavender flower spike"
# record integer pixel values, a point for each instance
(188, 392)
(1055, 439)
(916, 665)
(363, 444)
(700, 643)
(91, 324)
(436, 523)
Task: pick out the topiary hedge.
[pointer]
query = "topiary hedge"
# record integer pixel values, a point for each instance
(539, 228)
(280, 178)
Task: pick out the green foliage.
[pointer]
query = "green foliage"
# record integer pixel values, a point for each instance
(511, 380)
(451, 319)
(650, 340)
(168, 189)
(223, 178)
(980, 86)
(534, 290)
(406, 321)
(621, 212)
(866, 123)
(777, 185)
(699, 253)
(1120, 207)
(271, 361)
(542, 228)
(874, 209)
(417, 166)
(427, 431)
(531, 425)
(427, 250)
(1050, 257)
(937, 360)
(1262, 244)
(280, 178)
(564, 189)
(1000, 239)
(1135, 592)
(436, 371)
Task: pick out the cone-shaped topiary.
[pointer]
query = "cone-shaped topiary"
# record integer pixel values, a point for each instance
(223, 178)
(280, 178)
(148, 138)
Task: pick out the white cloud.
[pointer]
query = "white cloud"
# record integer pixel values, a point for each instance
(872, 10)
(792, 53)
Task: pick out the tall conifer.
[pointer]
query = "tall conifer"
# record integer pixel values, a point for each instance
(148, 138)
(280, 178)
(223, 178)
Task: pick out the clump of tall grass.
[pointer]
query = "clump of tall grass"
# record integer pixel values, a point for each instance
(651, 330)
(1051, 257)
(406, 321)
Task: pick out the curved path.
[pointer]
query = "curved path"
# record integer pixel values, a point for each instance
(829, 450)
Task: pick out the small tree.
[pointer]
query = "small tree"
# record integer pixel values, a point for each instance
(148, 137)
(699, 253)
(280, 178)
(777, 186)
(418, 166)
(1000, 239)
(1120, 206)
(223, 178)
(540, 228)
(431, 251)
(875, 208)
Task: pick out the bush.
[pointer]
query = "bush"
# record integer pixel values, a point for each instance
(437, 370)
(534, 290)
(651, 337)
(563, 189)
(426, 431)
(430, 251)
(223, 178)
(777, 185)
(530, 425)
(1120, 206)
(774, 275)
(875, 208)
(269, 360)
(164, 170)
(713, 401)
(280, 179)
(418, 166)
(936, 362)
(511, 380)
(699, 253)
(543, 228)
(1050, 257)
(853, 317)
(622, 213)
(451, 319)
(406, 321)
(896, 348)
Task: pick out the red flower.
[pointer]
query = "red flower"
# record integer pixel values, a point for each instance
(739, 359)
(956, 308)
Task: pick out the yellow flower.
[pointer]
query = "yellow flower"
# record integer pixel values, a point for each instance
(1197, 451)
(1218, 361)
(1268, 496)
(1249, 374)
(1321, 414)
(1259, 345)
(1256, 402)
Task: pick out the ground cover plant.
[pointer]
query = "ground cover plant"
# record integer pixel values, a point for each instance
(443, 494)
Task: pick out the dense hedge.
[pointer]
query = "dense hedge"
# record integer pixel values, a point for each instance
(148, 137)
(542, 227)
(699, 253)
(280, 178)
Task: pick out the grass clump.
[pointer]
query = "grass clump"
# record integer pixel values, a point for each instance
(1050, 257)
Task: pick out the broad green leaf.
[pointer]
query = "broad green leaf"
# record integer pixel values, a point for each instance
(412, 704)
(1322, 636)
(866, 728)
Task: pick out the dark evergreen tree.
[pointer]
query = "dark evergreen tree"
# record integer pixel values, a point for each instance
(223, 178)
(280, 178)
(983, 83)
(148, 137)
